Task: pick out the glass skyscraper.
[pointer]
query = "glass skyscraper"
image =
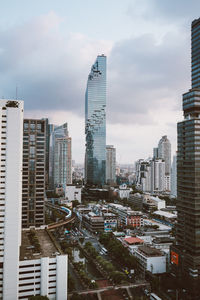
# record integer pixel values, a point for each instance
(185, 255)
(95, 124)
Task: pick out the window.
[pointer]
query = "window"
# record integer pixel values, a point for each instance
(32, 138)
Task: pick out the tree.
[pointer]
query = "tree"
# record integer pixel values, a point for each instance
(118, 277)
(75, 203)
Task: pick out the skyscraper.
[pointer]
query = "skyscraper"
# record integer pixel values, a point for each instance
(33, 185)
(11, 122)
(185, 256)
(164, 152)
(110, 164)
(174, 177)
(60, 157)
(95, 123)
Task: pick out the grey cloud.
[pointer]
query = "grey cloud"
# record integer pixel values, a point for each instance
(51, 70)
(146, 76)
(183, 11)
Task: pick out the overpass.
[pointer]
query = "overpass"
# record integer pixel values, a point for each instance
(61, 222)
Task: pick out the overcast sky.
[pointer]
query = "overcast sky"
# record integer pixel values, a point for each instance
(47, 48)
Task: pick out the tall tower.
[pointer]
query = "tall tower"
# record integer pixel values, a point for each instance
(95, 124)
(11, 136)
(34, 152)
(60, 156)
(110, 164)
(185, 256)
(164, 152)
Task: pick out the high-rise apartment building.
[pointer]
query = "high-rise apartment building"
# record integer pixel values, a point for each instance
(185, 256)
(11, 151)
(24, 271)
(164, 152)
(33, 186)
(110, 164)
(150, 175)
(174, 177)
(60, 157)
(157, 175)
(95, 124)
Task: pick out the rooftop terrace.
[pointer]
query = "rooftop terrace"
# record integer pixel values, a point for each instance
(36, 245)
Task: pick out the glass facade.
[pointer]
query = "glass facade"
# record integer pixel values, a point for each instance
(187, 247)
(95, 124)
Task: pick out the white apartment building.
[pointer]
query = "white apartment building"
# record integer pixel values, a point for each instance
(123, 191)
(60, 163)
(42, 273)
(11, 151)
(150, 175)
(158, 175)
(164, 152)
(19, 274)
(151, 259)
(73, 192)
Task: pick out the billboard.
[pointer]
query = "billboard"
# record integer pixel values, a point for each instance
(174, 258)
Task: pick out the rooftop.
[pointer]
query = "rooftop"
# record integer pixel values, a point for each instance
(165, 214)
(149, 251)
(28, 250)
(133, 240)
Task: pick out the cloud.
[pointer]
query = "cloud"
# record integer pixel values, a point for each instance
(49, 66)
(177, 11)
(145, 76)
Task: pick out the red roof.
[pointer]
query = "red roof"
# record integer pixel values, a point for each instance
(133, 240)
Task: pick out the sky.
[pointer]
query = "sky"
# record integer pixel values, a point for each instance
(48, 47)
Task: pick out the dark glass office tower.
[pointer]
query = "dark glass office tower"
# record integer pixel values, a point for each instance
(95, 124)
(185, 255)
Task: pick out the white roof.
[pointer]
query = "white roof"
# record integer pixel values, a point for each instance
(165, 214)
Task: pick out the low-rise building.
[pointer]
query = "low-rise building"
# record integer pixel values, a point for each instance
(42, 271)
(132, 243)
(151, 202)
(123, 191)
(127, 216)
(169, 217)
(105, 222)
(73, 192)
(137, 200)
(151, 259)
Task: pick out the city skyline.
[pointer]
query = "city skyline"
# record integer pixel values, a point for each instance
(148, 38)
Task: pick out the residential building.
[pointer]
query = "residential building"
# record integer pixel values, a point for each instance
(126, 216)
(11, 153)
(60, 157)
(33, 175)
(151, 259)
(73, 192)
(157, 175)
(185, 255)
(110, 164)
(132, 243)
(123, 191)
(95, 124)
(137, 200)
(174, 177)
(164, 152)
(41, 272)
(24, 271)
(150, 175)
(151, 202)
(155, 153)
